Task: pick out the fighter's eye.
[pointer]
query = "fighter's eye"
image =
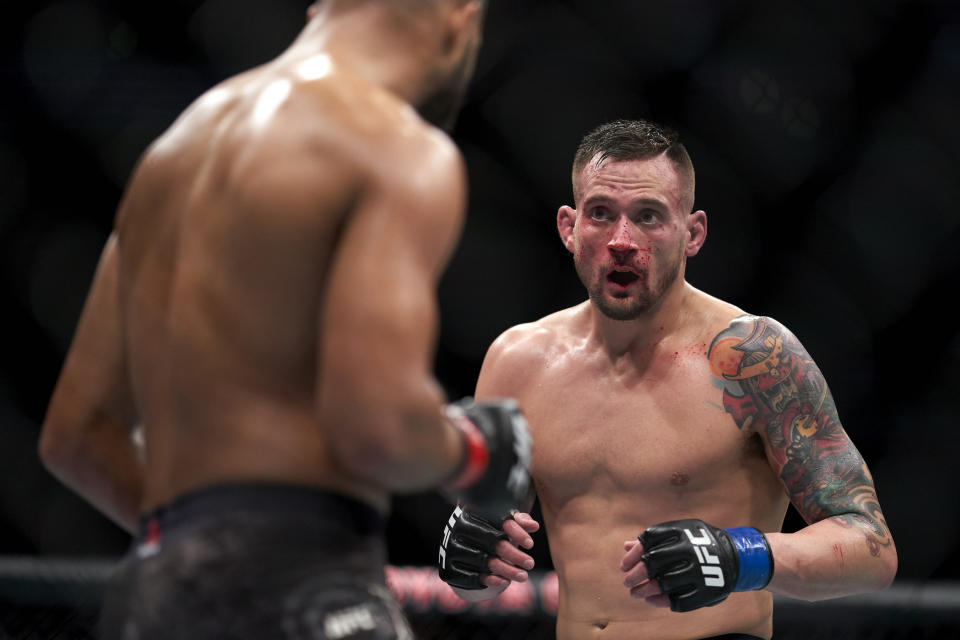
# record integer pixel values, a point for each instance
(601, 213)
(649, 216)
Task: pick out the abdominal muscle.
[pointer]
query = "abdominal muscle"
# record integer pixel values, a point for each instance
(594, 603)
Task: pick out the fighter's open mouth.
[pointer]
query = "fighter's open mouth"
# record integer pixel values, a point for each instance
(623, 278)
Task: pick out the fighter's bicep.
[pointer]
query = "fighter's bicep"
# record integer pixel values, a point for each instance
(797, 419)
(380, 312)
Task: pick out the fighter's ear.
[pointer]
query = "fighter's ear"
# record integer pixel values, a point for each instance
(464, 21)
(566, 220)
(697, 230)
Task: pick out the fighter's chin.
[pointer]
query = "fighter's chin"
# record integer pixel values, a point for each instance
(622, 309)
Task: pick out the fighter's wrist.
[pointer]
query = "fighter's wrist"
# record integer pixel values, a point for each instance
(475, 457)
(754, 556)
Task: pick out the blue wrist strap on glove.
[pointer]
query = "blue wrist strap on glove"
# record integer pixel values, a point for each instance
(756, 560)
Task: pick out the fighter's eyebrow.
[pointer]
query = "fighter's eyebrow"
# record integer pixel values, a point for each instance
(603, 198)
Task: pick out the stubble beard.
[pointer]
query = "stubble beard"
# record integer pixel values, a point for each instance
(636, 305)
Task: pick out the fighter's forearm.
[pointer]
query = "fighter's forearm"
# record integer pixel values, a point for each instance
(399, 439)
(105, 470)
(835, 557)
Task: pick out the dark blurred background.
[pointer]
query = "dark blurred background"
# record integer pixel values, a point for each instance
(824, 134)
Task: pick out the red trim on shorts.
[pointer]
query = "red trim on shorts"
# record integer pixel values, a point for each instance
(152, 535)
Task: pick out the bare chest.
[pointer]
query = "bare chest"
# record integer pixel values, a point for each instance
(661, 432)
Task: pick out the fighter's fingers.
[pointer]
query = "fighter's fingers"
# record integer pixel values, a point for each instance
(500, 568)
(648, 590)
(636, 575)
(633, 556)
(630, 544)
(660, 600)
(511, 555)
(526, 521)
(518, 534)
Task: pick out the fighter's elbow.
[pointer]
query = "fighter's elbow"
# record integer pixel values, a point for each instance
(879, 570)
(364, 450)
(57, 449)
(373, 448)
(385, 438)
(888, 570)
(389, 448)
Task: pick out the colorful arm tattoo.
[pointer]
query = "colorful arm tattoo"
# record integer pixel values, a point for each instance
(772, 386)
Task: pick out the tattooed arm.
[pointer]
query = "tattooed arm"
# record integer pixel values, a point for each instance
(773, 388)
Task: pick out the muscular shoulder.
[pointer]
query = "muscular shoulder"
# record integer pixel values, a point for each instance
(419, 161)
(751, 345)
(381, 133)
(765, 328)
(346, 135)
(522, 352)
(400, 157)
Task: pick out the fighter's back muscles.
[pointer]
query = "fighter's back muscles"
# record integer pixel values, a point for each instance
(231, 304)
(308, 235)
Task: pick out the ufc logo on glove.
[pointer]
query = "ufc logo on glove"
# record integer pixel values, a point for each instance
(709, 563)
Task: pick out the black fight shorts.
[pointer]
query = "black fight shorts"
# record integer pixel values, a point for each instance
(258, 562)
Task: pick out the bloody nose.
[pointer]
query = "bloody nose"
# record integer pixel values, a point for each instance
(622, 242)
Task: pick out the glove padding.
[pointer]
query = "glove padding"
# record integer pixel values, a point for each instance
(504, 484)
(698, 565)
(469, 541)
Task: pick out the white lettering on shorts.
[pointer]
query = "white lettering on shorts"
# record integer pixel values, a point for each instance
(709, 563)
(347, 622)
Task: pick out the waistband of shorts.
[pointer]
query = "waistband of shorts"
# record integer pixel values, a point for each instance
(262, 498)
(734, 636)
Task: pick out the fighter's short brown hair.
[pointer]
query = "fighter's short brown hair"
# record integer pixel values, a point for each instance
(635, 140)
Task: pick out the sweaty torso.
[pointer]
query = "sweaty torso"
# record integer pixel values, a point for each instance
(226, 237)
(624, 444)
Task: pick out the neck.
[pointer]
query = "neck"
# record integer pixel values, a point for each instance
(364, 41)
(639, 336)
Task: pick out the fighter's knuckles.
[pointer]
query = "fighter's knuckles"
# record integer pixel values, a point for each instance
(513, 529)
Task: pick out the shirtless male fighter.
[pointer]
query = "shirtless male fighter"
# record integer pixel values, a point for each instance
(661, 411)
(265, 309)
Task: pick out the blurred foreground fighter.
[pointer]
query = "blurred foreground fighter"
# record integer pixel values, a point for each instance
(265, 309)
(661, 411)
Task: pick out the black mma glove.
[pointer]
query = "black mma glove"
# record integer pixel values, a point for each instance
(469, 541)
(494, 476)
(699, 566)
